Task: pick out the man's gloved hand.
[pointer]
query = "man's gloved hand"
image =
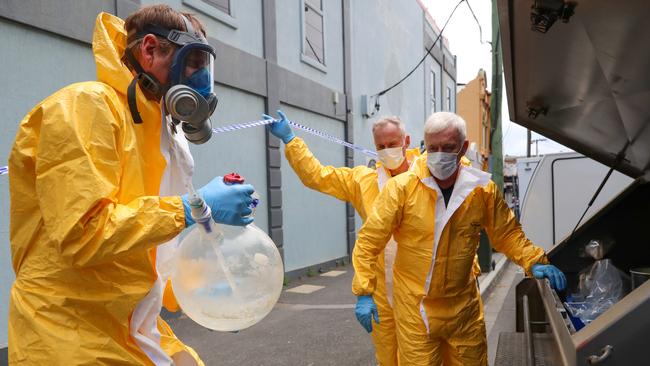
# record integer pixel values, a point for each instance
(365, 311)
(554, 275)
(230, 204)
(280, 129)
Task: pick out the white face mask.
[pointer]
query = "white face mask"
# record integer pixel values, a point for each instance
(441, 164)
(392, 158)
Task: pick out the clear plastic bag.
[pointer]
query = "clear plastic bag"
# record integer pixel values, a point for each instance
(601, 286)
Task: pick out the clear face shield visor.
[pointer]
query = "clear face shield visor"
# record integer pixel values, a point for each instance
(193, 66)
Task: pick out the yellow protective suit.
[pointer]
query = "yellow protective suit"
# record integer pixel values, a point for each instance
(437, 304)
(359, 186)
(86, 217)
(476, 267)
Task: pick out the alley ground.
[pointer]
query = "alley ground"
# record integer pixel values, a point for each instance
(313, 324)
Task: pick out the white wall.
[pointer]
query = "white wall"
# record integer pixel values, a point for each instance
(314, 223)
(247, 15)
(242, 151)
(289, 25)
(387, 42)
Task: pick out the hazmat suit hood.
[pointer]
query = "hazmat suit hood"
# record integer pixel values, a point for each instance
(109, 42)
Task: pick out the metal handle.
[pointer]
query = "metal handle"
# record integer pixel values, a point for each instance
(604, 354)
(528, 333)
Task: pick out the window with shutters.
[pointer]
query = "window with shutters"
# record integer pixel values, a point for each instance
(223, 5)
(432, 91)
(220, 10)
(313, 33)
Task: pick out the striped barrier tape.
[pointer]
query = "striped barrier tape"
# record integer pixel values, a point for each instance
(336, 140)
(264, 122)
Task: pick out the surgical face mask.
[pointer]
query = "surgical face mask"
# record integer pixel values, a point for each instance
(392, 157)
(442, 165)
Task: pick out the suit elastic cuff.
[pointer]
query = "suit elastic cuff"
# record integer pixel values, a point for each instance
(358, 290)
(287, 139)
(540, 260)
(176, 203)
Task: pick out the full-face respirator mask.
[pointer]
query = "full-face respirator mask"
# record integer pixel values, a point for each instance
(188, 97)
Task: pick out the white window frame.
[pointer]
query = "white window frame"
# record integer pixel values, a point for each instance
(303, 38)
(448, 99)
(432, 91)
(214, 12)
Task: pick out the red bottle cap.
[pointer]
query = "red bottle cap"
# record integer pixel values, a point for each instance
(233, 178)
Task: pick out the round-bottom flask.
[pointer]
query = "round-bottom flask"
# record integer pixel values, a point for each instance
(227, 278)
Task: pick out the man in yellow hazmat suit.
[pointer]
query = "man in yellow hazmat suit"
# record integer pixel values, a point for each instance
(97, 173)
(435, 214)
(359, 186)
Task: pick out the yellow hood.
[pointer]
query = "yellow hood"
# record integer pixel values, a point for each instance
(109, 42)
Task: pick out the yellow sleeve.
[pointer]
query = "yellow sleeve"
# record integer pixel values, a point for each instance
(79, 175)
(374, 234)
(506, 234)
(337, 182)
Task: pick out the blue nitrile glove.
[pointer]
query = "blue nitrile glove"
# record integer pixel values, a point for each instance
(554, 275)
(365, 311)
(230, 204)
(280, 129)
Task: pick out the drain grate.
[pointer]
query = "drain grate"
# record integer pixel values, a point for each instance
(511, 350)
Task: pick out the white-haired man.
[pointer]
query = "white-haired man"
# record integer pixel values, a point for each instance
(435, 213)
(360, 186)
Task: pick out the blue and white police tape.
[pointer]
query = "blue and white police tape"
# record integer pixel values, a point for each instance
(336, 140)
(264, 122)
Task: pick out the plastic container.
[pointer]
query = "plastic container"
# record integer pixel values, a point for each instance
(639, 276)
(227, 278)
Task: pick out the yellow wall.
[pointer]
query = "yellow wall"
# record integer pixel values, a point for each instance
(473, 103)
(469, 108)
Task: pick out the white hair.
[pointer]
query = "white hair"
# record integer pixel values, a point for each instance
(441, 121)
(394, 120)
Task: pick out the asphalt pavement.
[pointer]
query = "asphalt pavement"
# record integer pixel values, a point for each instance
(313, 324)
